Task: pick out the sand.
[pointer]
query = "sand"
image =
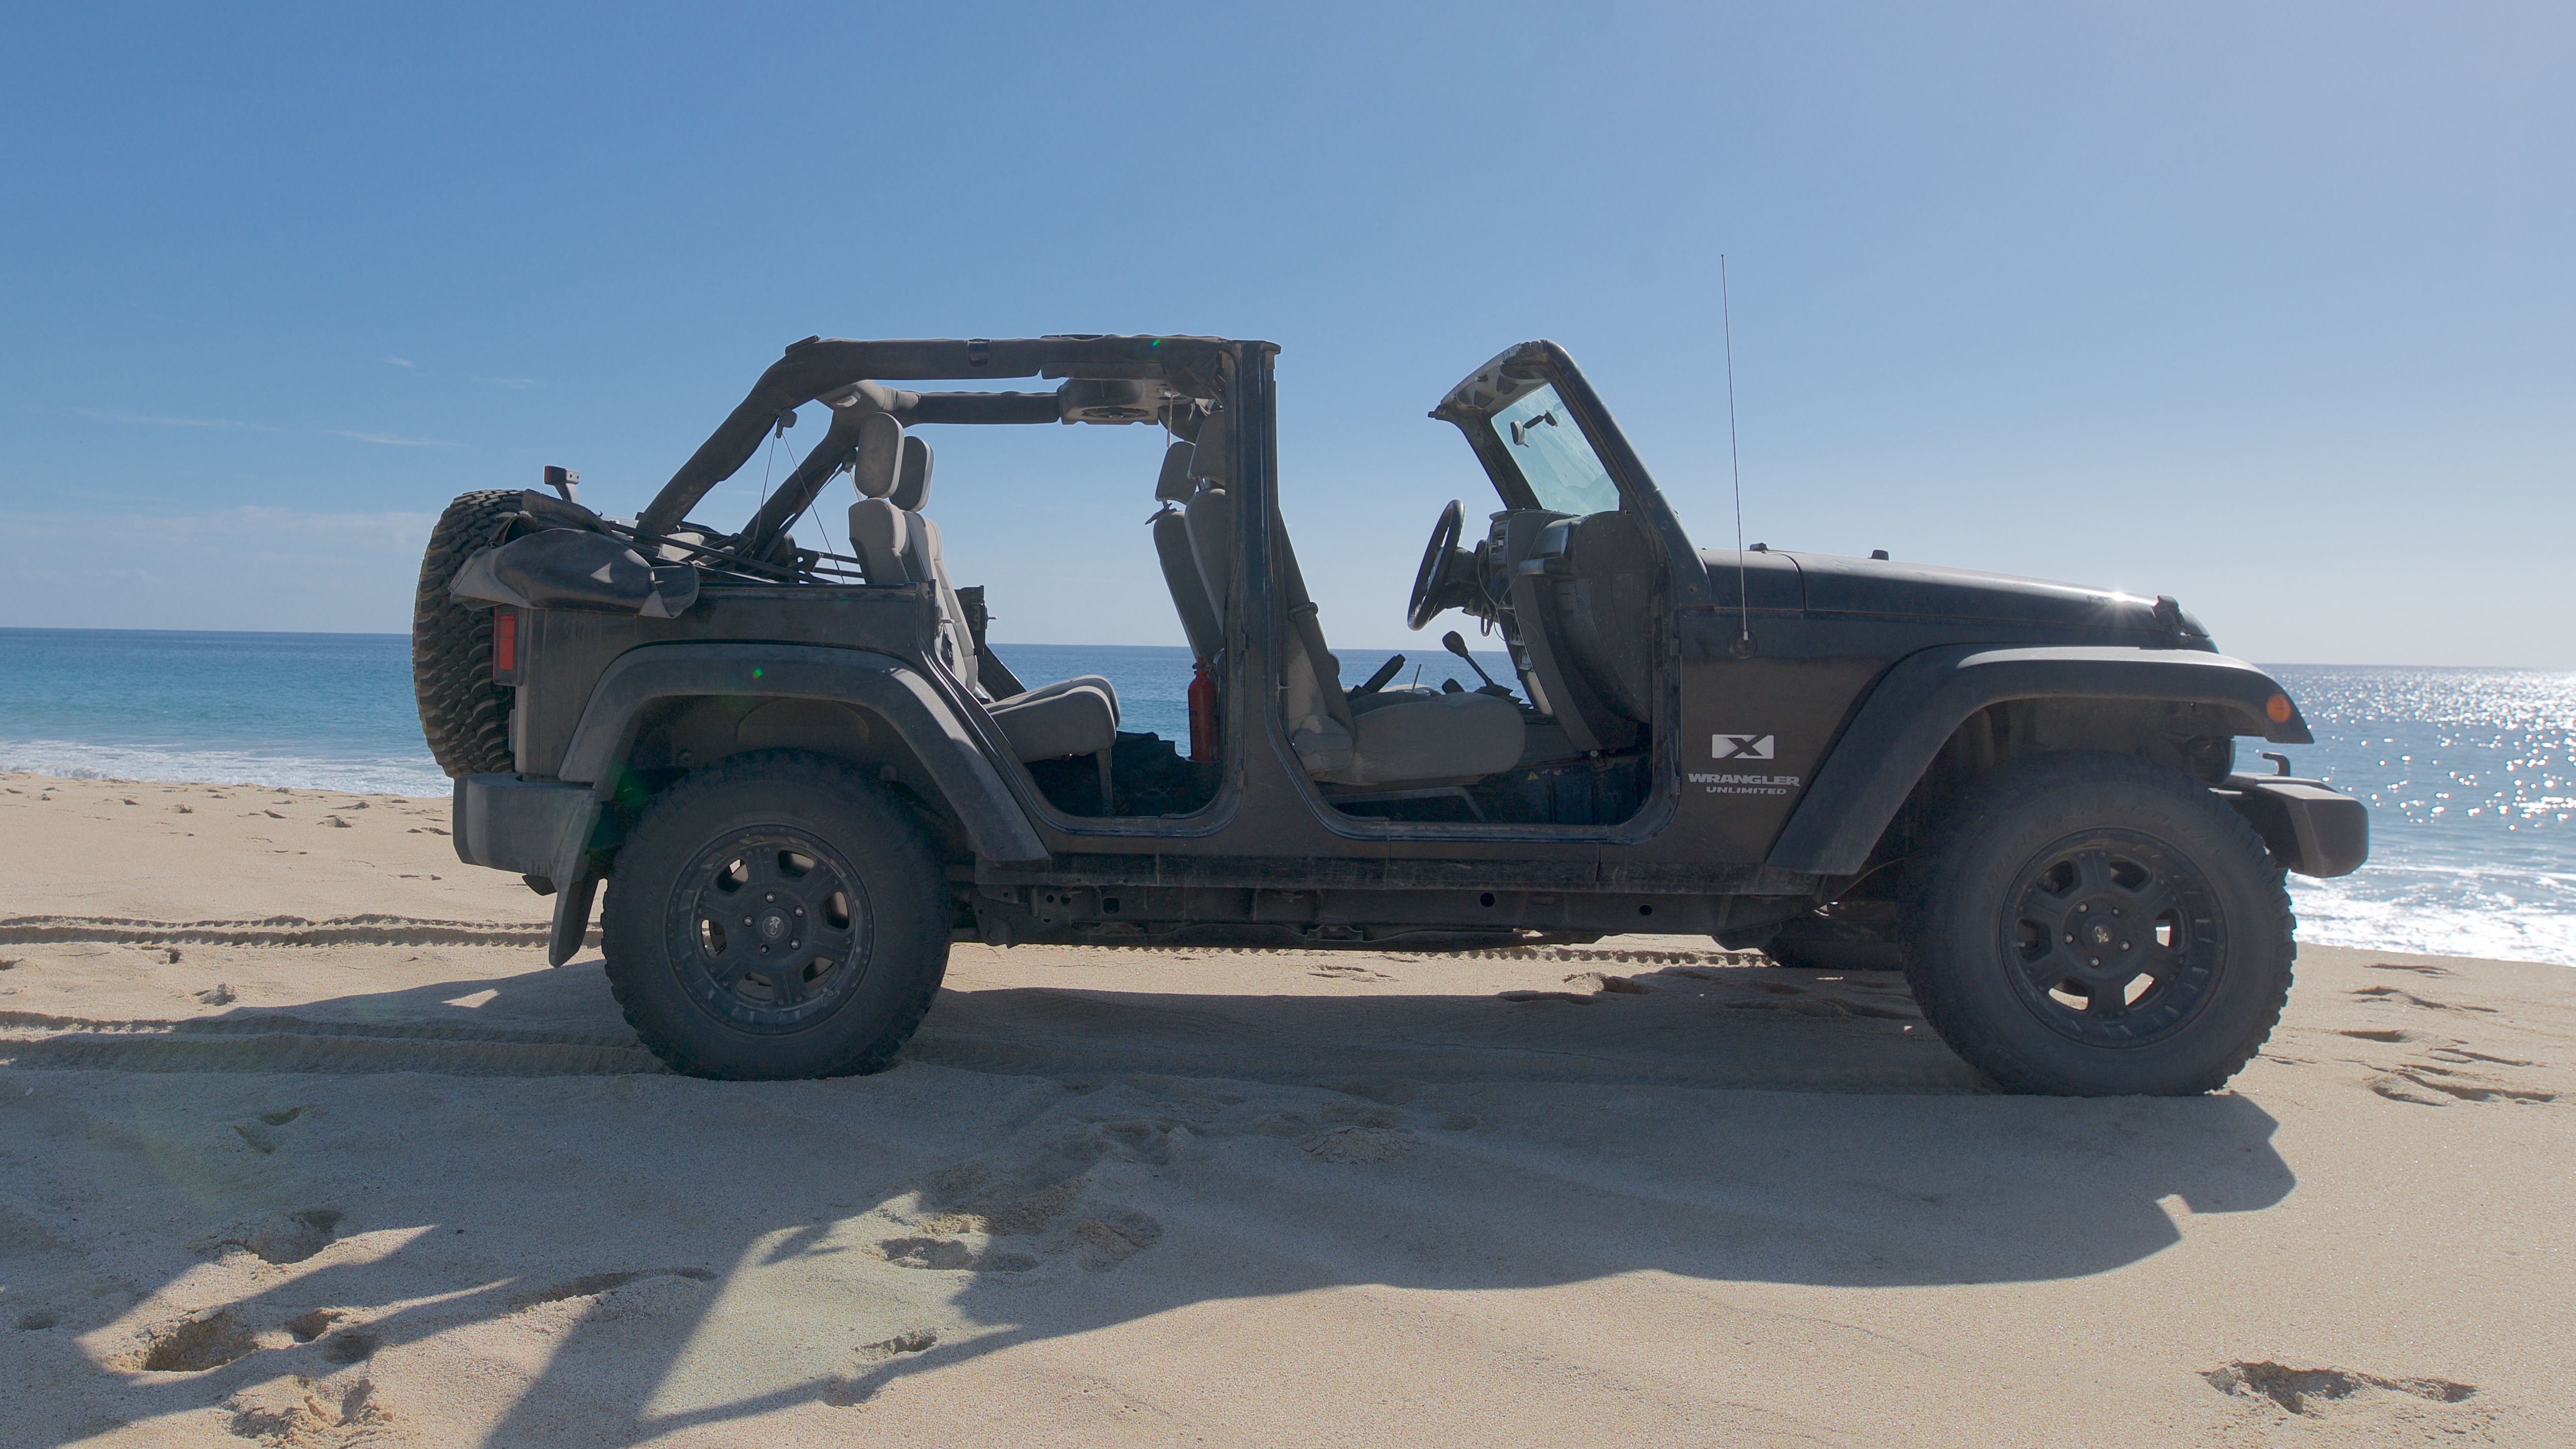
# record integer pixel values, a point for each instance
(301, 1143)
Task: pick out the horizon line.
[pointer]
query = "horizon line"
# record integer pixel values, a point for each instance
(1177, 648)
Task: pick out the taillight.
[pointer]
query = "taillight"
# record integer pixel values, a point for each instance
(505, 644)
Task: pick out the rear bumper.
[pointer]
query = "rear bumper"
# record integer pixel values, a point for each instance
(2312, 828)
(513, 823)
(539, 828)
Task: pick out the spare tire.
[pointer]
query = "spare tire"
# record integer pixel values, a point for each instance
(464, 713)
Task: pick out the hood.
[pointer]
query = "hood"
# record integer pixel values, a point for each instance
(1830, 584)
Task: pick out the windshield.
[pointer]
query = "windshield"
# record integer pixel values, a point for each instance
(1554, 457)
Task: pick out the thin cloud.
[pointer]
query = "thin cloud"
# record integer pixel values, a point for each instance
(403, 362)
(514, 384)
(389, 440)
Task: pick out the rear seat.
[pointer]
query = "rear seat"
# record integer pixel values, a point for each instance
(897, 545)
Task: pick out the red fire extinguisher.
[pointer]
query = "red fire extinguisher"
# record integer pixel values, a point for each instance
(1202, 715)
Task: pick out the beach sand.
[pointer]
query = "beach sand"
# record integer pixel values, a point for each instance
(301, 1143)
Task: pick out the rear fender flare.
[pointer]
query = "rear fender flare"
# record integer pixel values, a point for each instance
(994, 822)
(1926, 696)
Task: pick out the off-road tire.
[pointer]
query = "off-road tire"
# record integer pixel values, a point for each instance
(2065, 839)
(463, 712)
(669, 969)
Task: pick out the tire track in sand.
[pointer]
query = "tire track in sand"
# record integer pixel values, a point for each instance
(254, 1045)
(270, 931)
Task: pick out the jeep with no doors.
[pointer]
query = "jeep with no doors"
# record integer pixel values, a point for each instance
(802, 774)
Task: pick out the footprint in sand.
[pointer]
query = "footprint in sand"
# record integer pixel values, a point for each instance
(259, 1131)
(949, 1255)
(591, 1285)
(2422, 1084)
(1359, 1144)
(1099, 1244)
(2391, 993)
(2311, 1392)
(920, 1340)
(191, 1345)
(351, 1345)
(845, 1390)
(309, 1326)
(276, 1237)
(303, 1411)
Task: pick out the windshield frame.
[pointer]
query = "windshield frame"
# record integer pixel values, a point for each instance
(1522, 370)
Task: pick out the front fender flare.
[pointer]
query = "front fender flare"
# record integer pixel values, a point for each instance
(994, 822)
(1926, 696)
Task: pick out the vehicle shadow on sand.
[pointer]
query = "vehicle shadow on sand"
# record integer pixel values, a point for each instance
(1046, 1162)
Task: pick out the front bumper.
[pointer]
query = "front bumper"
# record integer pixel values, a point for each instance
(2312, 828)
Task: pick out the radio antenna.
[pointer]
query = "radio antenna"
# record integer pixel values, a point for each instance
(1743, 647)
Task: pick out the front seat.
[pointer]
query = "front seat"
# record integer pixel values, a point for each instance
(897, 545)
(1392, 738)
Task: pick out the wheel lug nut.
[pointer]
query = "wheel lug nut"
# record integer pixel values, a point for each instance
(2096, 960)
(792, 945)
(2124, 945)
(773, 895)
(2079, 910)
(765, 951)
(2070, 938)
(800, 910)
(747, 921)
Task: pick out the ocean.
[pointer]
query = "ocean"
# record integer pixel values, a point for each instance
(2470, 773)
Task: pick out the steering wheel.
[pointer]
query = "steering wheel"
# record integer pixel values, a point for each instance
(1444, 566)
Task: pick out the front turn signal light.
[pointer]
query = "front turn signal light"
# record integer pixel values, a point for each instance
(2277, 709)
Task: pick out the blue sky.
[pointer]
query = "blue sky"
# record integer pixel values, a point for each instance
(2265, 307)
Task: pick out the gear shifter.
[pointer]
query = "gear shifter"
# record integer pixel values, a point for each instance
(1455, 645)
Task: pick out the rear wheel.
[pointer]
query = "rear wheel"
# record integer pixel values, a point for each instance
(774, 916)
(463, 712)
(2091, 924)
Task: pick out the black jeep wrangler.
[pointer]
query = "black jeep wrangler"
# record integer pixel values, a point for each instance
(802, 774)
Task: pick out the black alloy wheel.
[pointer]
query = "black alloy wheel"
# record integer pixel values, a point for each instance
(775, 927)
(2093, 924)
(2117, 936)
(774, 915)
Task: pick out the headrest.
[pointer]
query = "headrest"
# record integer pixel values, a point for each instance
(1174, 486)
(1215, 455)
(912, 483)
(879, 456)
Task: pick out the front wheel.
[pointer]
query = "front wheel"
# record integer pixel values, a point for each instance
(2093, 925)
(774, 916)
